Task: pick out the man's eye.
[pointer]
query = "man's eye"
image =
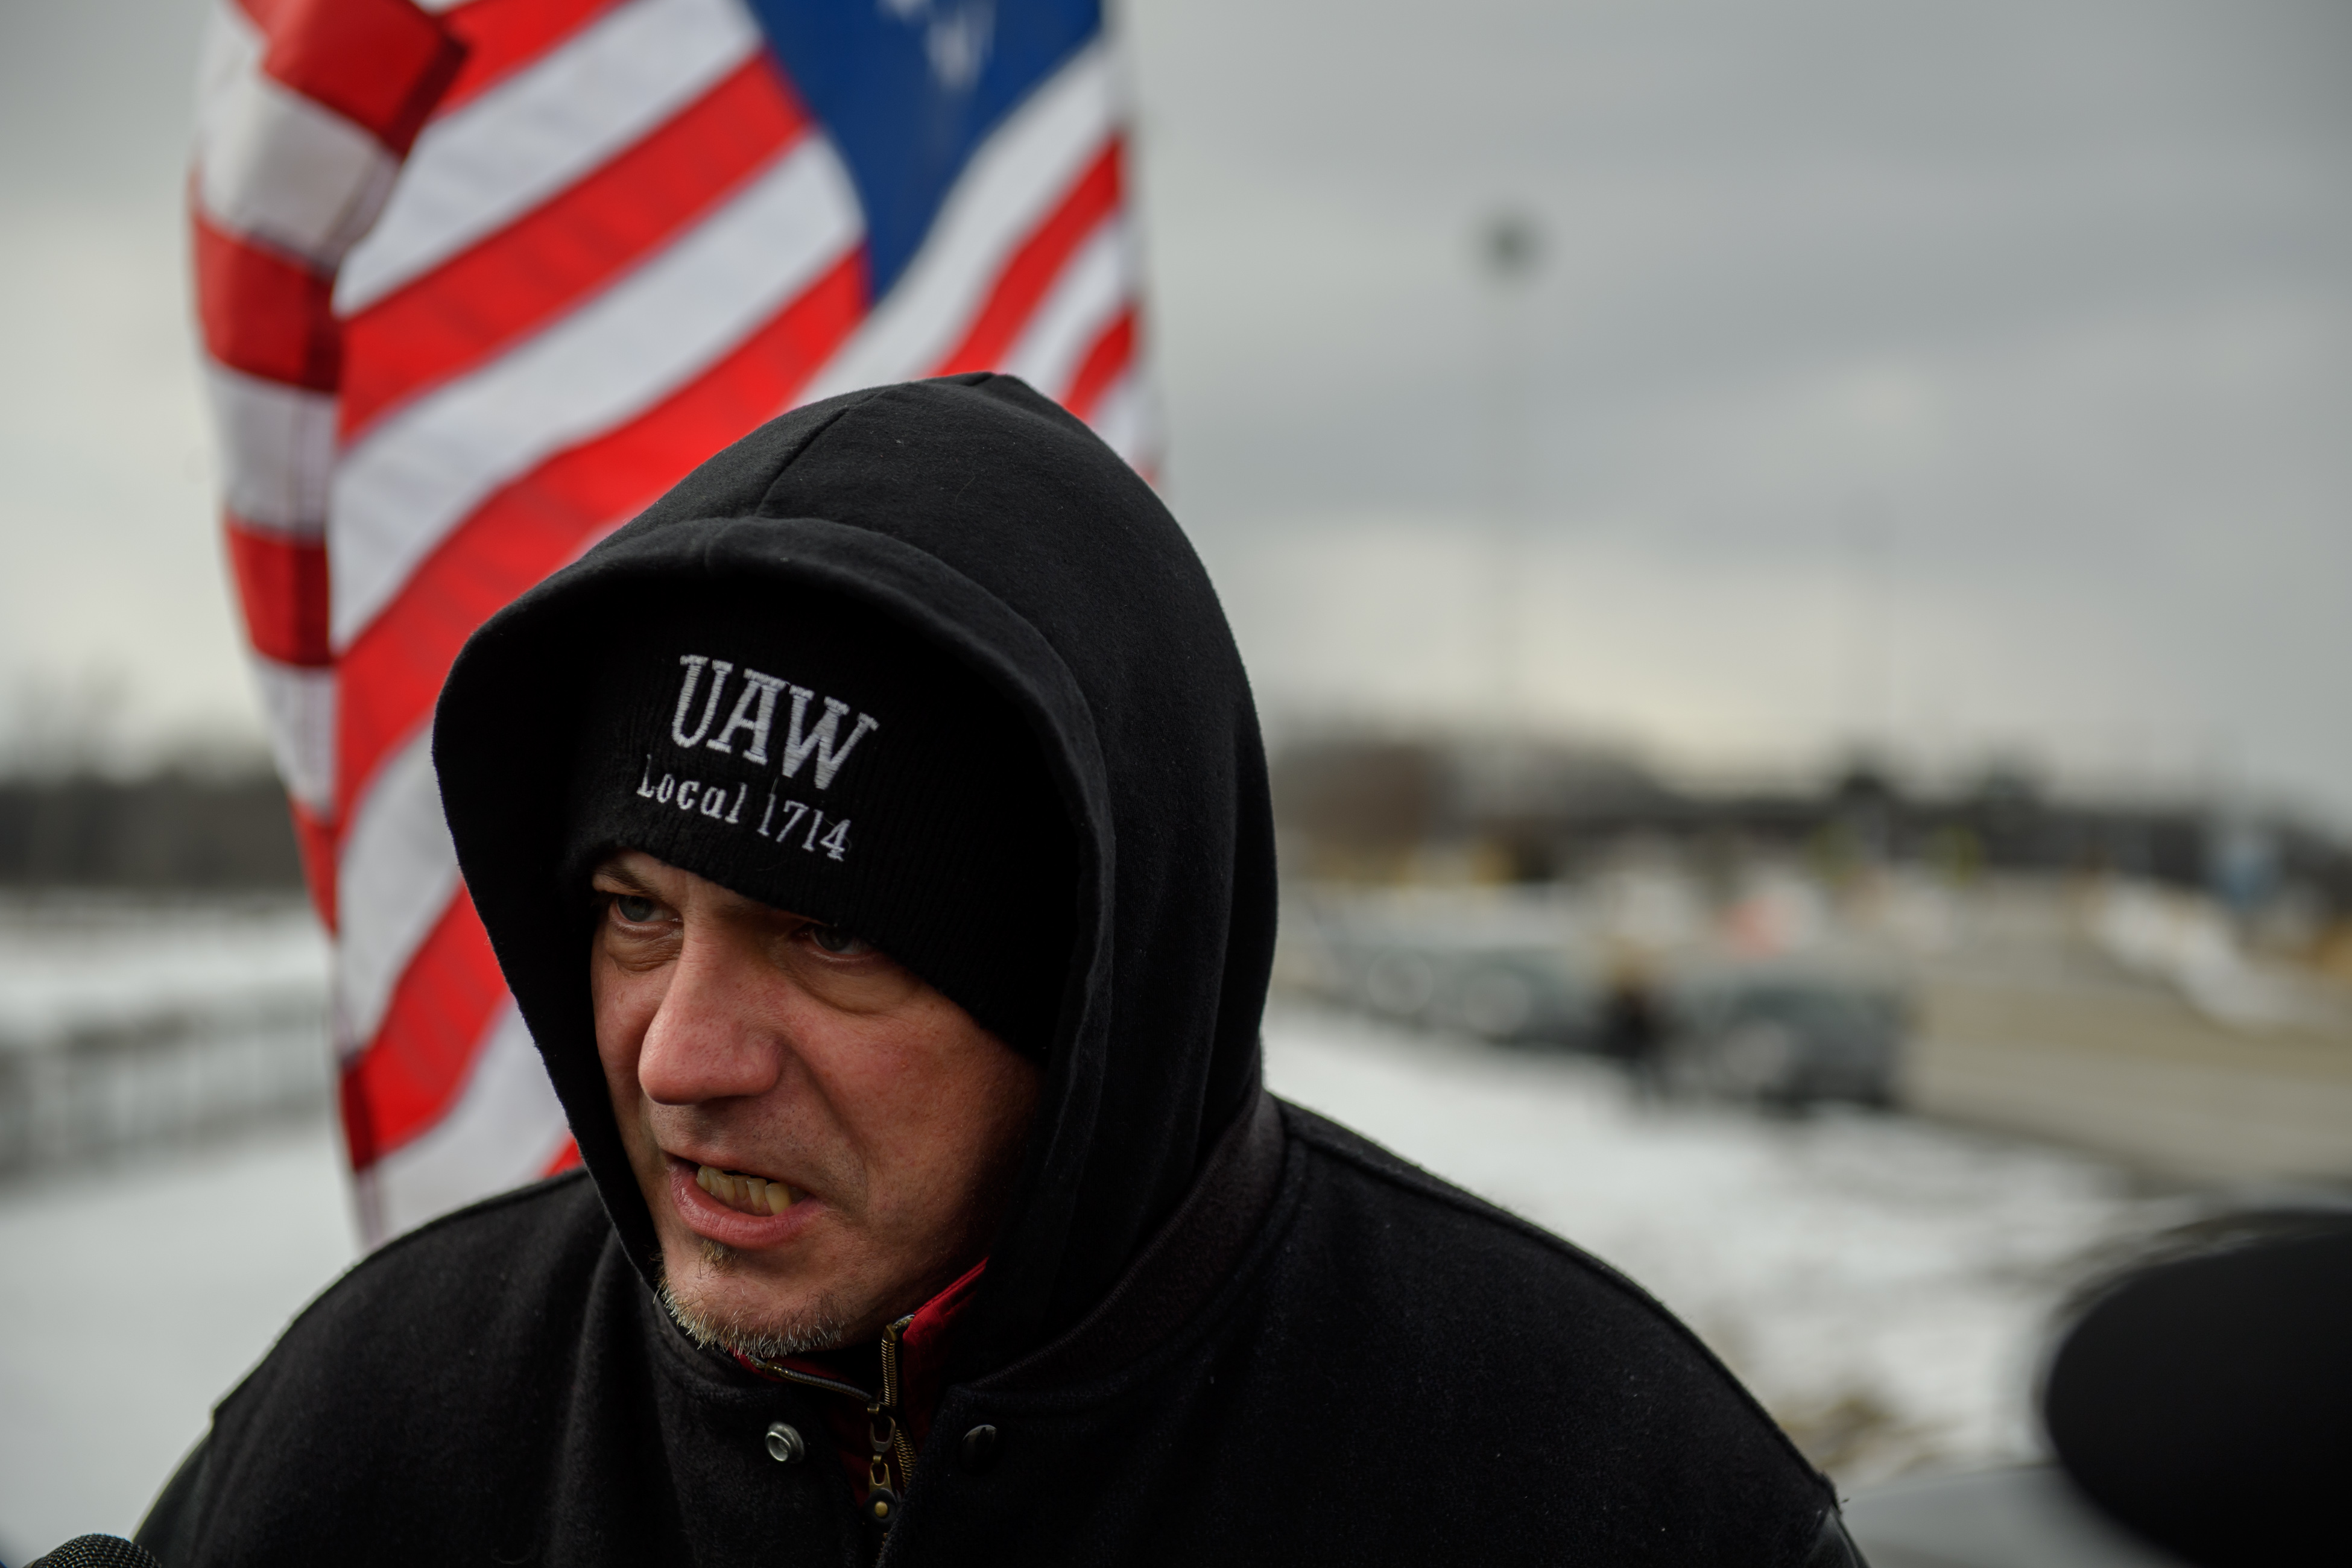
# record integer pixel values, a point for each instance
(839, 942)
(634, 908)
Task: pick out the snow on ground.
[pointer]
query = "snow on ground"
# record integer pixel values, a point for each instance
(126, 1022)
(132, 1296)
(69, 962)
(1883, 1284)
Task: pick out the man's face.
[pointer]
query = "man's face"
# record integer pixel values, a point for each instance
(824, 1139)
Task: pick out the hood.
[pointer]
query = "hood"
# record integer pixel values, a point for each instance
(982, 514)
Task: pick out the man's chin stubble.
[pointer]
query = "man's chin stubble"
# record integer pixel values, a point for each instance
(823, 1325)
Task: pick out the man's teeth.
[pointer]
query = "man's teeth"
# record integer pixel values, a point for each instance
(750, 1193)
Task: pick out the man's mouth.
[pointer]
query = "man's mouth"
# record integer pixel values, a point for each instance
(748, 1195)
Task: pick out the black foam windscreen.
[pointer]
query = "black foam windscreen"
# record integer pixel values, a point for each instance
(98, 1551)
(2206, 1402)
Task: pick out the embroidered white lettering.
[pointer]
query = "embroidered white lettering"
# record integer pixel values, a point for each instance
(760, 689)
(799, 743)
(694, 663)
(817, 834)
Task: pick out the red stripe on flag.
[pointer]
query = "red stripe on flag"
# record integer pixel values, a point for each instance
(380, 64)
(264, 314)
(389, 678)
(411, 1073)
(314, 839)
(502, 36)
(1105, 361)
(1032, 268)
(468, 310)
(283, 583)
(565, 1158)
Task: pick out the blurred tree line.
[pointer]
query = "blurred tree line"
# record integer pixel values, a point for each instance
(170, 830)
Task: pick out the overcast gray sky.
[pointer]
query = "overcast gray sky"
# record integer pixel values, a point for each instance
(1965, 379)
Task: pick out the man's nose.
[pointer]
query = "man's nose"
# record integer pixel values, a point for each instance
(707, 1040)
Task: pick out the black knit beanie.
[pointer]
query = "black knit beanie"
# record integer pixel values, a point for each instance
(812, 754)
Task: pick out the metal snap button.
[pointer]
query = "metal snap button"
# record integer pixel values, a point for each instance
(784, 1445)
(980, 1446)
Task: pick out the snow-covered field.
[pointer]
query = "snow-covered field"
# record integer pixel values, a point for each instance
(144, 1263)
(134, 1023)
(132, 1296)
(1882, 1283)
(71, 963)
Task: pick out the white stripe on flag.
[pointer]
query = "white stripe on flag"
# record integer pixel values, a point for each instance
(421, 472)
(277, 446)
(271, 165)
(1124, 417)
(539, 132)
(1015, 179)
(226, 56)
(394, 878)
(503, 1130)
(1094, 285)
(299, 705)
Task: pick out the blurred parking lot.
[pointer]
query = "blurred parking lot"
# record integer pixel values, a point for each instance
(2115, 1017)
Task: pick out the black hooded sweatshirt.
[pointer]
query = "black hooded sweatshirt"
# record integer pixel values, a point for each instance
(1213, 1328)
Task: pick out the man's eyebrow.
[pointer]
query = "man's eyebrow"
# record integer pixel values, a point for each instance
(616, 870)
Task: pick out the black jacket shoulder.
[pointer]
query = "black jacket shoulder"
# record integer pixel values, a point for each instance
(1472, 1343)
(1514, 1255)
(508, 1271)
(1389, 1371)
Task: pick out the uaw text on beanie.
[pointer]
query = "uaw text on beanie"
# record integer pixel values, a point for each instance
(814, 754)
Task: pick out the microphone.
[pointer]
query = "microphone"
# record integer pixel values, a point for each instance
(2207, 1402)
(98, 1551)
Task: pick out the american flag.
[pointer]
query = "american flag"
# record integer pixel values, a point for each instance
(479, 281)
